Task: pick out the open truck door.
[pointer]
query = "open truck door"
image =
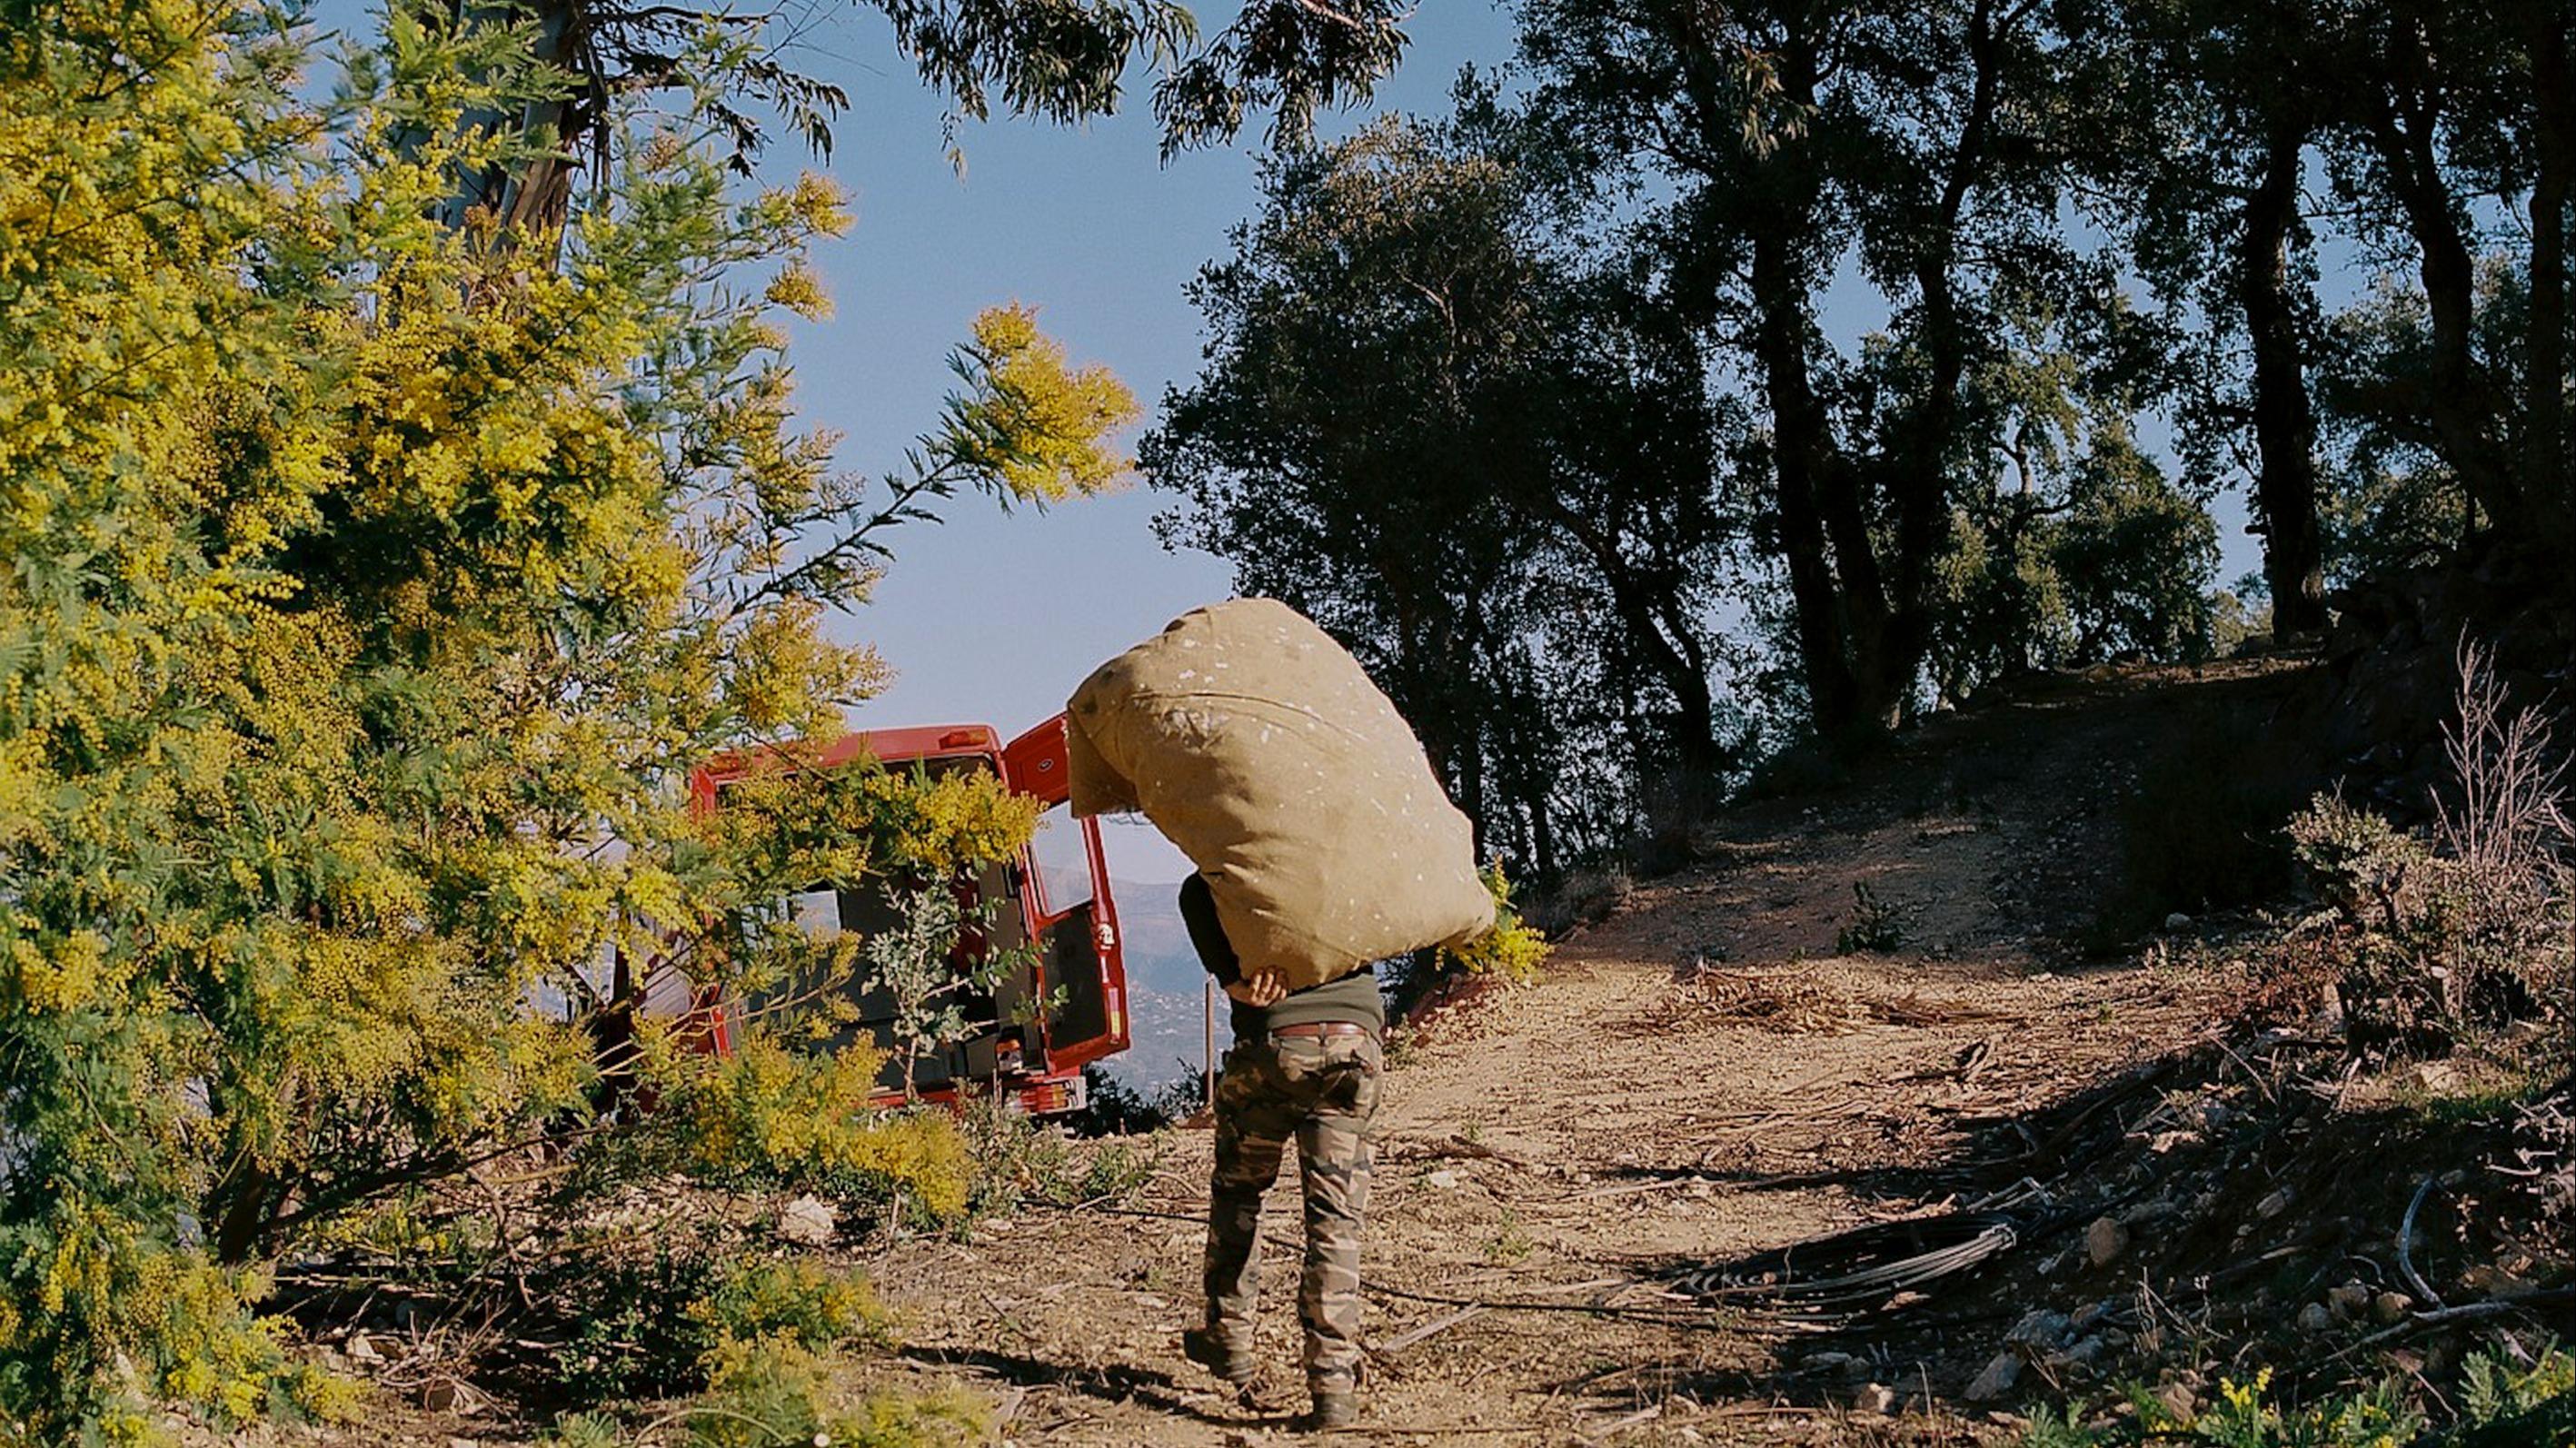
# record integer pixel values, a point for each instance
(1043, 1025)
(1072, 915)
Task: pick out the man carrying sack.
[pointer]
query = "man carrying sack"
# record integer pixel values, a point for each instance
(1324, 843)
(1304, 1065)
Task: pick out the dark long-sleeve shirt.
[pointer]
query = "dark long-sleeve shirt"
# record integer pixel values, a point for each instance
(1353, 997)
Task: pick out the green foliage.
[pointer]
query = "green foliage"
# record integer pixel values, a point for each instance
(819, 1306)
(1876, 927)
(2495, 1389)
(652, 1325)
(1511, 950)
(1118, 1108)
(763, 1392)
(1032, 422)
(1019, 1160)
(1585, 895)
(1481, 460)
(368, 577)
(2511, 1403)
(583, 1430)
(775, 1117)
(2430, 949)
(2463, 934)
(2104, 560)
(913, 959)
(774, 1390)
(2244, 1416)
(2501, 1401)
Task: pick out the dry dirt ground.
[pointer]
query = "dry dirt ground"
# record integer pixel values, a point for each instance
(1558, 1147)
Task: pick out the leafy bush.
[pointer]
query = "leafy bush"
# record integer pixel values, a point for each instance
(2503, 1403)
(1876, 926)
(2117, 564)
(771, 1116)
(2244, 1416)
(1512, 950)
(772, 1391)
(1119, 1109)
(2510, 1404)
(817, 1305)
(652, 1326)
(1020, 1160)
(368, 576)
(2451, 937)
(1587, 895)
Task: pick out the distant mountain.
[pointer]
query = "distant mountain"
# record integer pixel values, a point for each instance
(1166, 989)
(1159, 956)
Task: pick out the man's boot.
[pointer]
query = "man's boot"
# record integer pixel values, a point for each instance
(1230, 1361)
(1335, 1405)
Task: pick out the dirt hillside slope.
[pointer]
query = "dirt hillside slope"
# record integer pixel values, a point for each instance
(1700, 1077)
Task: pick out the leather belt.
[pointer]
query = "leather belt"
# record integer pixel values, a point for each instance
(1321, 1030)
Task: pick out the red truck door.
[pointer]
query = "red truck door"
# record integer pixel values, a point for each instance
(1070, 911)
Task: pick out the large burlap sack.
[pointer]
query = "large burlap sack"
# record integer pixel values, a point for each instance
(1259, 746)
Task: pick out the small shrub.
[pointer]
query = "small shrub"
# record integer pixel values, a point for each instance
(1877, 926)
(2509, 1404)
(1119, 1109)
(2448, 938)
(2244, 1416)
(1118, 1170)
(1512, 950)
(775, 1391)
(1019, 1160)
(584, 1430)
(817, 1305)
(647, 1327)
(771, 1116)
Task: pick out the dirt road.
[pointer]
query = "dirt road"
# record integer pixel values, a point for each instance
(1699, 1077)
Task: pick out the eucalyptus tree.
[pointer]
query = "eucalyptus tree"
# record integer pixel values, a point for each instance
(1043, 59)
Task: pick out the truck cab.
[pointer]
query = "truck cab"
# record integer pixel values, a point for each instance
(1042, 1025)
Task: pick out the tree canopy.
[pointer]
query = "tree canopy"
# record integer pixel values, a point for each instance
(1804, 365)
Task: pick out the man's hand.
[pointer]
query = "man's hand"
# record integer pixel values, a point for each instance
(1261, 990)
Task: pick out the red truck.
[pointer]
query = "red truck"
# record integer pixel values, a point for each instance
(1053, 895)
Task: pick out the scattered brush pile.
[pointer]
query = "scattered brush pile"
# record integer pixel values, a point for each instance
(1813, 999)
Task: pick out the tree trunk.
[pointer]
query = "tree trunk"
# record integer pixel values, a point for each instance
(2554, 147)
(534, 200)
(2461, 405)
(1799, 453)
(1920, 488)
(2285, 489)
(241, 1225)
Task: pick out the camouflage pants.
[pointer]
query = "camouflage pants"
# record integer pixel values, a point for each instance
(1320, 1092)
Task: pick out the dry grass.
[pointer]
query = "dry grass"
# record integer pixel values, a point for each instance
(1801, 1000)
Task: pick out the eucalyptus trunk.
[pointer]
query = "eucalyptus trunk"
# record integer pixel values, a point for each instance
(2285, 429)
